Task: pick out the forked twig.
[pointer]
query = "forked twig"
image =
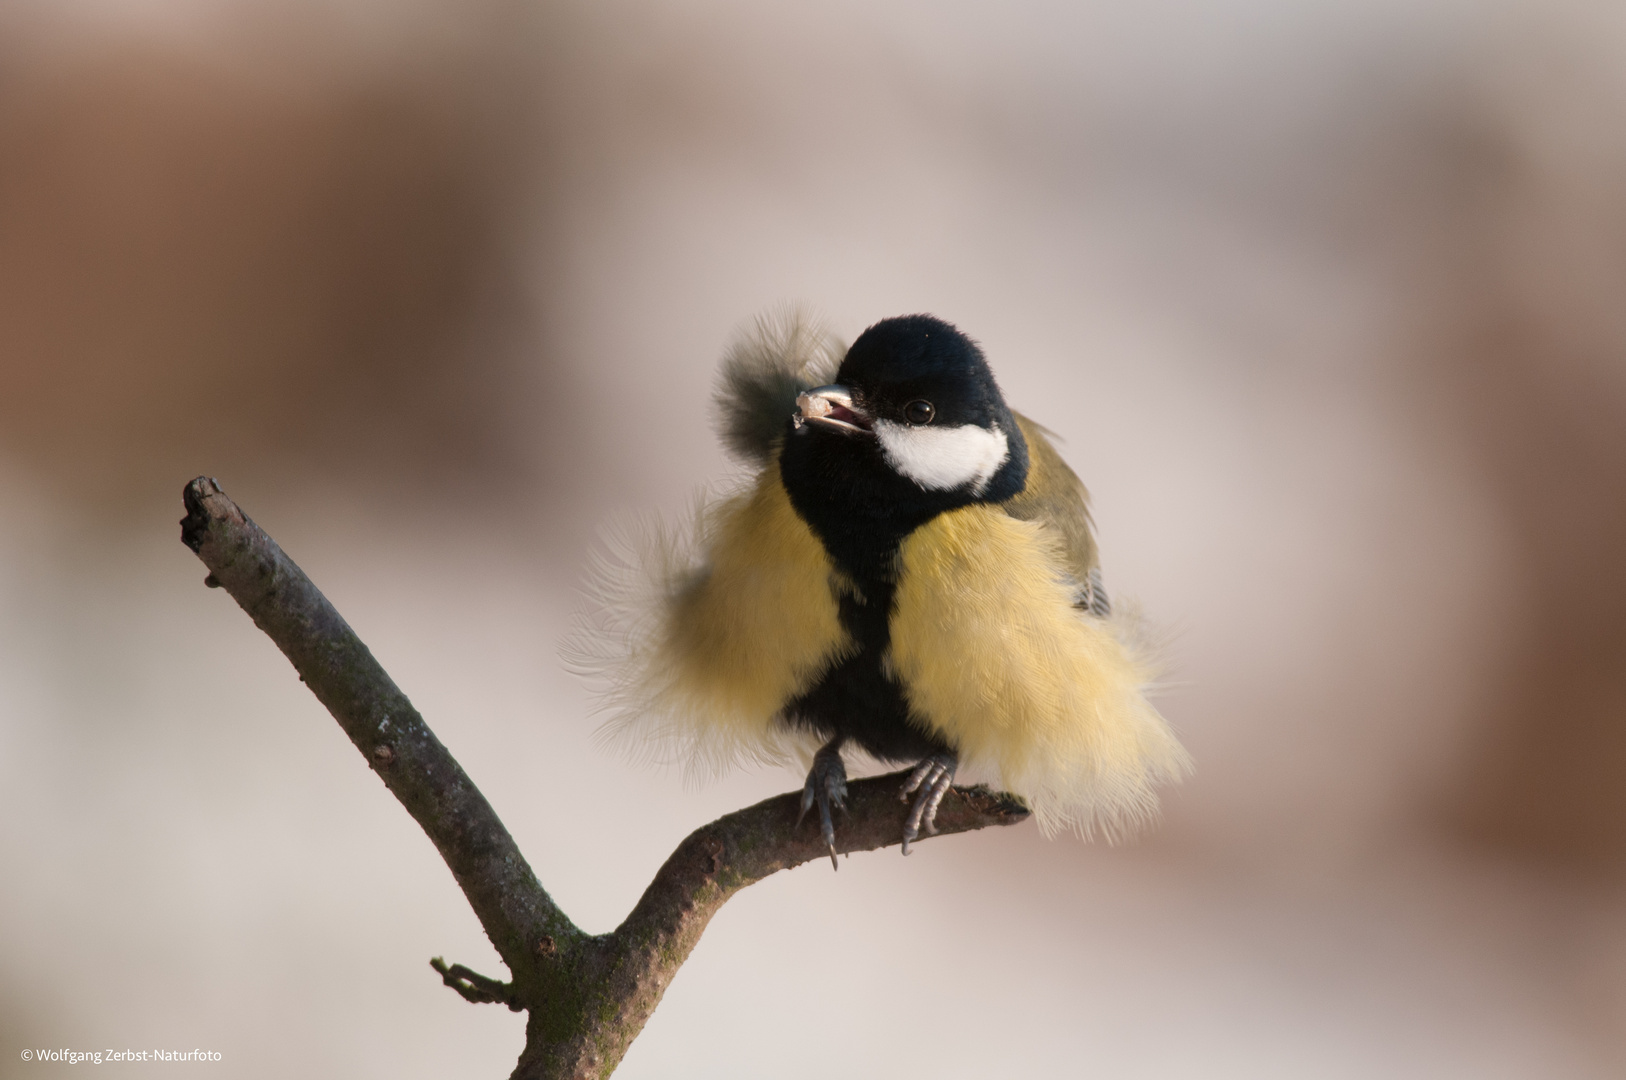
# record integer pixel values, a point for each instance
(586, 996)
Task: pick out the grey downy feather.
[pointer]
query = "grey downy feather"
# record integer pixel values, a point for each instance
(782, 353)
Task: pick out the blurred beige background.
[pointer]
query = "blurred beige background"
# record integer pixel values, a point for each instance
(1328, 301)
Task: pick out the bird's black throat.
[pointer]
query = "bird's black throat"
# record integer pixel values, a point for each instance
(909, 372)
(861, 512)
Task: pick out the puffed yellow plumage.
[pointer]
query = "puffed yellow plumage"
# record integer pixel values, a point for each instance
(959, 617)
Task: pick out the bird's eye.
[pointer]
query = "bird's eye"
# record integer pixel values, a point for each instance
(919, 412)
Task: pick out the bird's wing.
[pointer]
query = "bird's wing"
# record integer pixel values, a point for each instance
(769, 363)
(1055, 497)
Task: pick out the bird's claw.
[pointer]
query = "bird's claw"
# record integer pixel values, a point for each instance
(826, 786)
(932, 777)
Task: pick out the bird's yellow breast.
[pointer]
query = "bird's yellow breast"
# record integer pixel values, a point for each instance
(993, 657)
(756, 625)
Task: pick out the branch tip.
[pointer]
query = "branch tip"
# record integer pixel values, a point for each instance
(475, 987)
(195, 525)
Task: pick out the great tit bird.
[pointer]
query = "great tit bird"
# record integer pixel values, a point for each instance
(909, 572)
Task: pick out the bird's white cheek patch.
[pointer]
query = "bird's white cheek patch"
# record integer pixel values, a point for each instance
(942, 458)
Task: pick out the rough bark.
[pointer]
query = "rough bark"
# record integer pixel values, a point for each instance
(587, 996)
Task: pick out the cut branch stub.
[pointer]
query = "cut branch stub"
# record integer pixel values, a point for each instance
(587, 997)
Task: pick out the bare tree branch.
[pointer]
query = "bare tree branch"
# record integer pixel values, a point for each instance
(510, 903)
(587, 996)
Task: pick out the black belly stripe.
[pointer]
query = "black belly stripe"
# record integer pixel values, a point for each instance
(861, 511)
(857, 699)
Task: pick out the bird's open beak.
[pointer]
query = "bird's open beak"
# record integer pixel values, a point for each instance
(832, 407)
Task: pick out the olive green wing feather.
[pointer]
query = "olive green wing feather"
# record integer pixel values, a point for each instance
(1055, 496)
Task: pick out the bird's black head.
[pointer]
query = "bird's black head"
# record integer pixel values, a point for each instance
(914, 425)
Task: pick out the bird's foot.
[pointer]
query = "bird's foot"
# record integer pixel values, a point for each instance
(827, 786)
(933, 777)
